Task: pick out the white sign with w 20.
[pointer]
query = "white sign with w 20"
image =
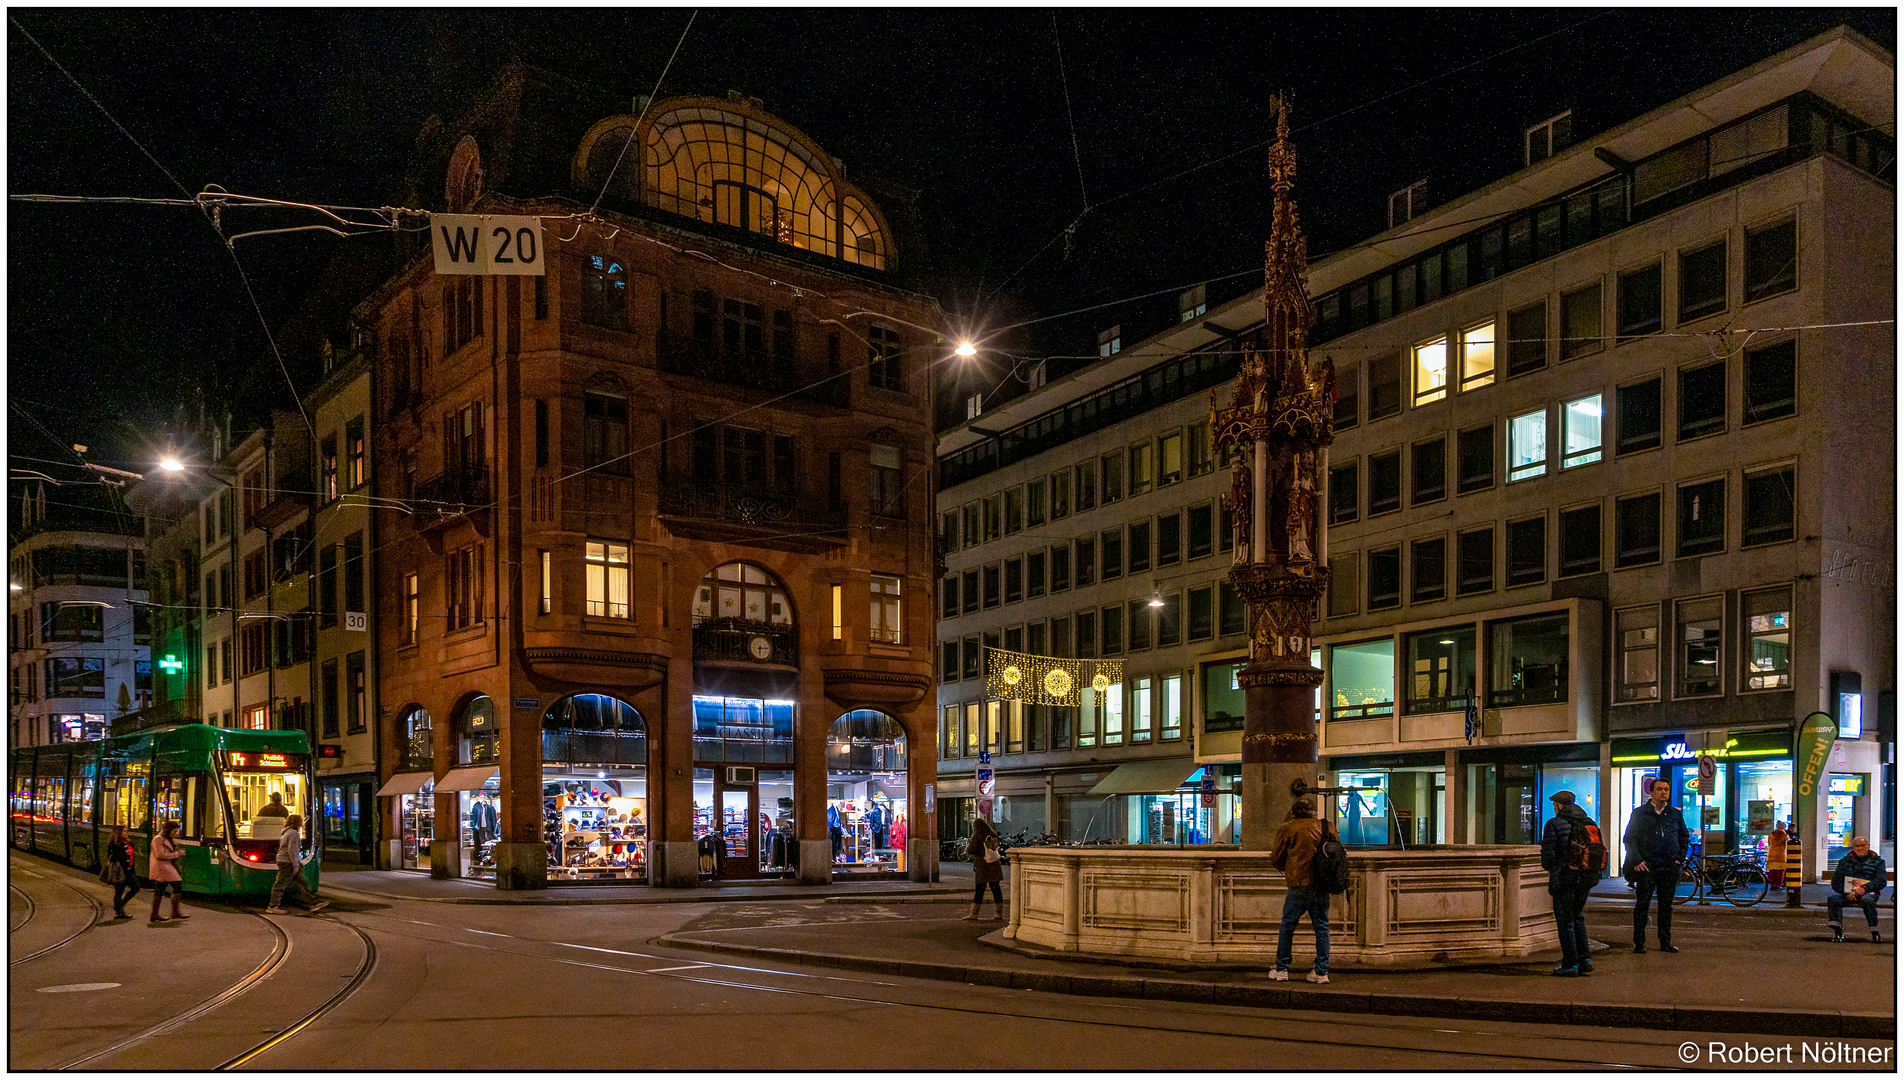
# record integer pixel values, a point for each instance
(486, 244)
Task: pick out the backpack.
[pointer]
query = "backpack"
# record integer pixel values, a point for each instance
(1331, 866)
(1585, 851)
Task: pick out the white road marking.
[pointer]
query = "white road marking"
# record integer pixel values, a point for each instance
(75, 988)
(491, 933)
(684, 967)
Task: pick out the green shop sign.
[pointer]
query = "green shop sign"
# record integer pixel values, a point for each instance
(1816, 733)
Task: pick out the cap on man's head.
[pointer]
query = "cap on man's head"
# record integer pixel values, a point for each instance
(1562, 797)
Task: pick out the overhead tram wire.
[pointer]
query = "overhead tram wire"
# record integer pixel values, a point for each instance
(1077, 155)
(610, 178)
(1069, 229)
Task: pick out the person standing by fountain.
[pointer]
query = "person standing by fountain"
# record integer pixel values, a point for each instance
(1294, 853)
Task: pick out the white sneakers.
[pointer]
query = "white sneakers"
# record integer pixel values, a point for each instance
(1318, 979)
(1278, 975)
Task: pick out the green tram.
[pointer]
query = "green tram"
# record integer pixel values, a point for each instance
(64, 800)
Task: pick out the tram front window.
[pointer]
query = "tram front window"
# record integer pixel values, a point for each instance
(252, 780)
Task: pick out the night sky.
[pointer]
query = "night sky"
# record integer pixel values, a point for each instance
(119, 315)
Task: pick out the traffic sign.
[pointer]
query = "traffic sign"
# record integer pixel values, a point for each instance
(1708, 767)
(487, 244)
(984, 757)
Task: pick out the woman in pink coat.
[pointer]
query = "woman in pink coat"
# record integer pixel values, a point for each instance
(163, 870)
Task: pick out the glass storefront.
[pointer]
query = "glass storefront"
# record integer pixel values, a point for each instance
(1843, 794)
(866, 809)
(1405, 805)
(594, 792)
(479, 814)
(1751, 790)
(1187, 816)
(416, 816)
(1511, 800)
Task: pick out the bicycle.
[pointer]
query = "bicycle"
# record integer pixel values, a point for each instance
(1737, 877)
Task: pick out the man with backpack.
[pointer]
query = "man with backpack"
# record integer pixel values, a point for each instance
(1309, 853)
(1574, 856)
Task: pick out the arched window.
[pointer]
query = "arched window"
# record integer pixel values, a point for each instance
(477, 737)
(614, 163)
(418, 749)
(865, 740)
(594, 729)
(743, 592)
(463, 184)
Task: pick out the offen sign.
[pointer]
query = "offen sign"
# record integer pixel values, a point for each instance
(487, 244)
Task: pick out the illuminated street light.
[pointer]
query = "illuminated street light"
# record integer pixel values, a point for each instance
(965, 351)
(171, 464)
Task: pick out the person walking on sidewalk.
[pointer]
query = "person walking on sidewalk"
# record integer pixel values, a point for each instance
(988, 867)
(1567, 883)
(1656, 843)
(1858, 880)
(163, 872)
(119, 860)
(1294, 853)
(289, 876)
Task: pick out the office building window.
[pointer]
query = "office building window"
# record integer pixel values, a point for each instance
(1771, 260)
(1142, 467)
(1428, 570)
(1527, 551)
(949, 597)
(1084, 633)
(605, 570)
(973, 661)
(990, 575)
(1111, 547)
(1699, 639)
(1087, 485)
(1139, 550)
(1431, 370)
(1345, 583)
(1580, 322)
(357, 703)
(1014, 508)
(1035, 574)
(1702, 518)
(1702, 400)
(605, 293)
(1638, 419)
(1477, 357)
(1140, 624)
(1580, 432)
(1348, 400)
(1440, 670)
(1086, 561)
(1202, 613)
(1474, 453)
(1527, 446)
(1767, 649)
(1527, 339)
(327, 708)
(1014, 580)
(1474, 562)
(1169, 540)
(1201, 459)
(1060, 494)
(970, 581)
(1169, 620)
(1527, 661)
(1169, 461)
(412, 609)
(948, 661)
(968, 521)
(1639, 298)
(1384, 578)
(1429, 471)
(1362, 680)
(1385, 482)
(1232, 613)
(1636, 530)
(1637, 632)
(1342, 494)
(887, 617)
(1202, 530)
(1385, 386)
(1580, 540)
(1035, 503)
(1702, 282)
(994, 507)
(1111, 630)
(1060, 568)
(1771, 381)
(1770, 506)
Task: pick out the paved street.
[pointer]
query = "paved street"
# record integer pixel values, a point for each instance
(389, 983)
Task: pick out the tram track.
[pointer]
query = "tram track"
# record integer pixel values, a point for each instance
(281, 948)
(1546, 1059)
(94, 908)
(31, 908)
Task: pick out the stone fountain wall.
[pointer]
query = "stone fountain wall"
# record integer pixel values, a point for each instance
(1403, 909)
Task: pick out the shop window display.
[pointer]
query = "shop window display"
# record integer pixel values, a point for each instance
(417, 826)
(866, 809)
(594, 793)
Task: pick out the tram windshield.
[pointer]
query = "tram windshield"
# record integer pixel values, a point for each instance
(257, 784)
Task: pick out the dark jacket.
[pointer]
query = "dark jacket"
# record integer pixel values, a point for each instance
(1657, 838)
(1869, 867)
(120, 854)
(1555, 840)
(983, 871)
(1294, 852)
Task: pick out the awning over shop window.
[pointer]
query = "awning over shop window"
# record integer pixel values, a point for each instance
(468, 779)
(1146, 777)
(405, 783)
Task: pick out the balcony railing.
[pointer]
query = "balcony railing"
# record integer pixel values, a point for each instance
(763, 514)
(447, 496)
(749, 367)
(732, 641)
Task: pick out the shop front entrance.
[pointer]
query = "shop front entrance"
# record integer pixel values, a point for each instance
(743, 822)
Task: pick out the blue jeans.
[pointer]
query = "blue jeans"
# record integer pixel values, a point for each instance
(1570, 917)
(1836, 903)
(1313, 902)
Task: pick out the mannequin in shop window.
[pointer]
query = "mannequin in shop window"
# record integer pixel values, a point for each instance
(897, 834)
(833, 830)
(876, 823)
(482, 819)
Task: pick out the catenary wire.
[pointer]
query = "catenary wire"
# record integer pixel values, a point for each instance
(610, 178)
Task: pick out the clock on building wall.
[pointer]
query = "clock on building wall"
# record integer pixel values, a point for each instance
(760, 647)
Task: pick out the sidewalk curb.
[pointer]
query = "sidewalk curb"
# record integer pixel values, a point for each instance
(661, 896)
(1293, 996)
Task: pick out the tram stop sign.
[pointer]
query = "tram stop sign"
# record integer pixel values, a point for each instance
(1708, 768)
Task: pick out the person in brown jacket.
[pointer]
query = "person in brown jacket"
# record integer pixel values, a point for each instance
(1294, 853)
(985, 871)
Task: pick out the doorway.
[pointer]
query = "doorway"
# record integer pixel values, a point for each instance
(727, 822)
